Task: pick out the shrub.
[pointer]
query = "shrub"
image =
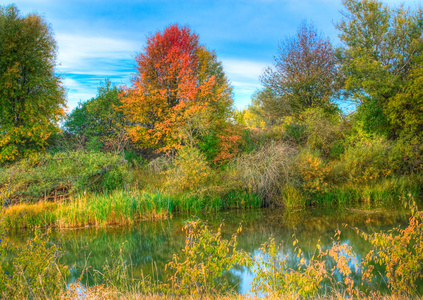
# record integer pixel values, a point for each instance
(367, 160)
(32, 271)
(272, 275)
(190, 171)
(35, 270)
(324, 132)
(313, 172)
(160, 164)
(400, 252)
(205, 260)
(266, 171)
(52, 176)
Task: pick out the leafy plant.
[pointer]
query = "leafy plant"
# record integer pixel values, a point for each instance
(47, 176)
(205, 260)
(190, 172)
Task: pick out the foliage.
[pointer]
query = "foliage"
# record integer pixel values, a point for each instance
(99, 121)
(205, 260)
(368, 160)
(35, 270)
(304, 75)
(266, 171)
(54, 176)
(273, 276)
(380, 45)
(190, 171)
(324, 132)
(177, 79)
(405, 109)
(32, 100)
(313, 172)
(265, 110)
(230, 143)
(400, 251)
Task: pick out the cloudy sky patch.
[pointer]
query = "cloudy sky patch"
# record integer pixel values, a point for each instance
(99, 39)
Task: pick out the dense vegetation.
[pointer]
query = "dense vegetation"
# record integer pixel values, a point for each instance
(173, 141)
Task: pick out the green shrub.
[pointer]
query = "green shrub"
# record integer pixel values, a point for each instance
(50, 176)
(204, 261)
(35, 270)
(190, 171)
(324, 132)
(296, 133)
(367, 160)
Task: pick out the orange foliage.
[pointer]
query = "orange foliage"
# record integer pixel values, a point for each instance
(168, 90)
(230, 143)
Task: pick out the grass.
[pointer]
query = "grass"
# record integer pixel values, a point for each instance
(119, 207)
(100, 292)
(126, 207)
(381, 190)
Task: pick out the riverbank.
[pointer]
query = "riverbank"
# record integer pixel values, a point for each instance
(128, 207)
(119, 208)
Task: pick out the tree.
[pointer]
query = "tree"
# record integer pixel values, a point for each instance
(99, 120)
(379, 46)
(179, 93)
(32, 99)
(405, 109)
(304, 74)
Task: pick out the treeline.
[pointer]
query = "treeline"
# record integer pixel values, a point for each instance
(175, 130)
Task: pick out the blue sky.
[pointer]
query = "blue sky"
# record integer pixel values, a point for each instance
(99, 39)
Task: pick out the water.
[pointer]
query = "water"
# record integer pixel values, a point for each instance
(150, 245)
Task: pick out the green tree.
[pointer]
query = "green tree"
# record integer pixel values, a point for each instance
(304, 75)
(405, 109)
(379, 44)
(32, 99)
(99, 121)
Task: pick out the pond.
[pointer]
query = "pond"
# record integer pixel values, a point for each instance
(150, 245)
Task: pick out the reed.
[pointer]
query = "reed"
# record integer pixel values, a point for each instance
(117, 208)
(120, 207)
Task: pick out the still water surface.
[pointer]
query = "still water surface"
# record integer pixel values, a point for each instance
(150, 245)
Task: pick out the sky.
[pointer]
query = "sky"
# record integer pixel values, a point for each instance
(99, 39)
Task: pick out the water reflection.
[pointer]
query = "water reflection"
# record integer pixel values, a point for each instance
(150, 245)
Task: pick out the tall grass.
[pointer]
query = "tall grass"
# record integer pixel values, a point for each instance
(385, 189)
(117, 208)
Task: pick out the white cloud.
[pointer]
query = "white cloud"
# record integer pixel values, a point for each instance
(243, 68)
(75, 51)
(244, 76)
(86, 60)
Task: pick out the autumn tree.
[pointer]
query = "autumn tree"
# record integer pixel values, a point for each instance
(304, 75)
(99, 122)
(380, 45)
(32, 99)
(179, 94)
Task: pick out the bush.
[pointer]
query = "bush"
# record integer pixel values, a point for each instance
(35, 270)
(324, 132)
(204, 261)
(266, 171)
(313, 172)
(367, 160)
(54, 176)
(190, 171)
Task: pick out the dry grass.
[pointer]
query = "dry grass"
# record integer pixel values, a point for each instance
(265, 172)
(98, 292)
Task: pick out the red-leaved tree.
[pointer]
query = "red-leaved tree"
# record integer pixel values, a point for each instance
(178, 93)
